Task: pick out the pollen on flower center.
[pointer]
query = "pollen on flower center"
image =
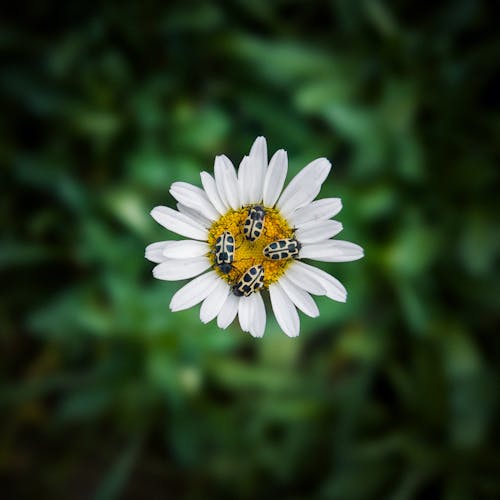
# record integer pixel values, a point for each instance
(250, 253)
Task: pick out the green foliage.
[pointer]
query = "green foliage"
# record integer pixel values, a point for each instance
(106, 394)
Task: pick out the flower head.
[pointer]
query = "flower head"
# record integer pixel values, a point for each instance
(252, 236)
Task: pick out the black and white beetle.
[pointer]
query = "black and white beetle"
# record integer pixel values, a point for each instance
(254, 223)
(287, 248)
(251, 281)
(224, 252)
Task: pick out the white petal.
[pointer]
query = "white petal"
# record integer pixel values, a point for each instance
(318, 231)
(194, 197)
(210, 188)
(245, 313)
(304, 187)
(194, 292)
(154, 252)
(213, 303)
(180, 269)
(258, 161)
(258, 319)
(227, 182)
(333, 287)
(179, 223)
(194, 215)
(284, 310)
(316, 210)
(305, 280)
(275, 177)
(228, 312)
(332, 251)
(219, 181)
(184, 249)
(258, 151)
(245, 180)
(299, 297)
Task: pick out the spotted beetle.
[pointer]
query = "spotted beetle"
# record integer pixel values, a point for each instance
(287, 248)
(251, 281)
(224, 252)
(254, 223)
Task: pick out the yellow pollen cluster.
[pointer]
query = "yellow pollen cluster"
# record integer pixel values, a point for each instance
(248, 253)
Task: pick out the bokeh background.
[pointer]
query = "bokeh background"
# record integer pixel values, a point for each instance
(108, 395)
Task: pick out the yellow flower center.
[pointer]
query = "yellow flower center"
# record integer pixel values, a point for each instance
(250, 253)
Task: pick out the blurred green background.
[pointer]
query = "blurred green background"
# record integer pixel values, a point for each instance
(106, 394)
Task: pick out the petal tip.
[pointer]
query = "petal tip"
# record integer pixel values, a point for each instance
(156, 273)
(154, 211)
(256, 335)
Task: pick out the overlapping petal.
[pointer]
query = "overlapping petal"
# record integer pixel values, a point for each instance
(304, 274)
(245, 312)
(184, 249)
(323, 209)
(154, 252)
(228, 312)
(180, 269)
(284, 310)
(275, 178)
(258, 319)
(210, 187)
(194, 292)
(227, 182)
(245, 180)
(195, 198)
(307, 281)
(194, 215)
(304, 187)
(179, 223)
(212, 305)
(299, 297)
(258, 164)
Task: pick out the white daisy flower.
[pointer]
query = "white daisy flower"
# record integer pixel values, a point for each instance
(252, 236)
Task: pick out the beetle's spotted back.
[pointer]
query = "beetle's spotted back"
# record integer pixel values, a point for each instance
(254, 222)
(250, 282)
(286, 248)
(224, 252)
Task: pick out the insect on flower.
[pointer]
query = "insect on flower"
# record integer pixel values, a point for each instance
(251, 281)
(224, 252)
(246, 236)
(285, 248)
(254, 223)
